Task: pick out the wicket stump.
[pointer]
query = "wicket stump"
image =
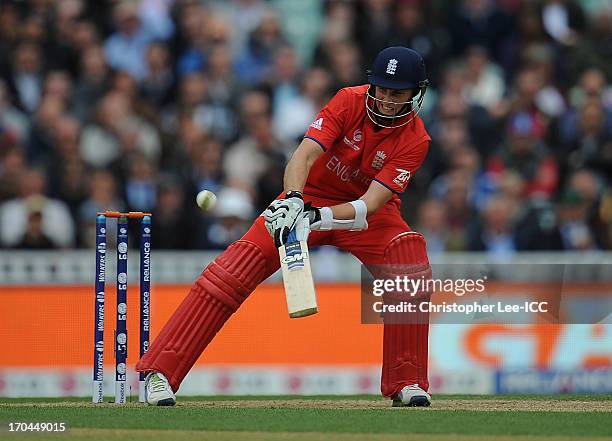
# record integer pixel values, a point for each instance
(121, 335)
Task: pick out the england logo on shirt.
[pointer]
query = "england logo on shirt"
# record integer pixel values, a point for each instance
(379, 160)
(392, 66)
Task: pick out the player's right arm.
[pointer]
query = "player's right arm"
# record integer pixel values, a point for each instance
(284, 214)
(300, 163)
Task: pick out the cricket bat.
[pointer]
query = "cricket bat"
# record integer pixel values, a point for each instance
(297, 277)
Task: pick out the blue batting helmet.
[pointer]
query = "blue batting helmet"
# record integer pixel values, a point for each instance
(399, 68)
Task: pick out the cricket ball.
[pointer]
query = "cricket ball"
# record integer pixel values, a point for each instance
(206, 200)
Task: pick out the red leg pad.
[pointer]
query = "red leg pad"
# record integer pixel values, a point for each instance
(215, 296)
(405, 345)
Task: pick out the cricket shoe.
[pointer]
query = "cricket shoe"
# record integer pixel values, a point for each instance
(412, 396)
(158, 390)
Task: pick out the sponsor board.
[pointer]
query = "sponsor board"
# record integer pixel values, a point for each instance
(553, 381)
(243, 380)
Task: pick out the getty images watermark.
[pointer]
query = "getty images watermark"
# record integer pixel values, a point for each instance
(493, 293)
(415, 289)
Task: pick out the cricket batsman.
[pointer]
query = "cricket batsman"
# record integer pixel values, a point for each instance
(355, 159)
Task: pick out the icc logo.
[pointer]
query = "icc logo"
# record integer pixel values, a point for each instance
(147, 230)
(123, 231)
(102, 230)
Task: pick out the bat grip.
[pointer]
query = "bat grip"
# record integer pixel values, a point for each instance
(292, 236)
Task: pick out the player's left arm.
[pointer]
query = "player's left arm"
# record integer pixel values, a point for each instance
(374, 198)
(351, 215)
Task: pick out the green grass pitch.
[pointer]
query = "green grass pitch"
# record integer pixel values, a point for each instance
(355, 418)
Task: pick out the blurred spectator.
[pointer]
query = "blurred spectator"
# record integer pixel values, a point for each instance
(292, 117)
(26, 76)
(9, 28)
(540, 59)
(103, 195)
(256, 62)
(287, 96)
(85, 35)
(590, 188)
(40, 145)
(495, 233)
(92, 82)
(220, 90)
(233, 216)
(484, 81)
(67, 173)
(529, 32)
(61, 50)
(57, 223)
(563, 20)
(339, 27)
(587, 137)
(12, 164)
(58, 85)
(592, 48)
(480, 22)
(140, 184)
(592, 84)
(573, 222)
(302, 22)
(12, 120)
(526, 155)
(225, 87)
(192, 90)
(118, 131)
(207, 163)
(526, 96)
(346, 66)
(433, 224)
(212, 116)
(461, 214)
(537, 227)
(410, 30)
(244, 16)
(190, 41)
(257, 155)
(174, 225)
(34, 237)
(126, 48)
(605, 216)
(376, 18)
(158, 82)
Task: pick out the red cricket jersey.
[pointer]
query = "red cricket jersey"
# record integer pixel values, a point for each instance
(357, 151)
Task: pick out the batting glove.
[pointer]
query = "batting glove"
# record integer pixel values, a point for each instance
(282, 216)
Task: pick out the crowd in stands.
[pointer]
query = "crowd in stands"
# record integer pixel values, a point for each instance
(127, 105)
